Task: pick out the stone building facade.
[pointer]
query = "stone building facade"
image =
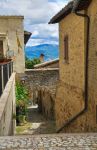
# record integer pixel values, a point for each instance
(76, 100)
(12, 40)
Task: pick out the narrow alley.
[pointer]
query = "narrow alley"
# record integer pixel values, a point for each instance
(36, 123)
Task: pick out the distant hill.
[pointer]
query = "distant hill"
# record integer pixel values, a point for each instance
(50, 51)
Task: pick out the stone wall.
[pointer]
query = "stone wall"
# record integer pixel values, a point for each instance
(42, 86)
(72, 98)
(46, 101)
(12, 27)
(7, 108)
(70, 91)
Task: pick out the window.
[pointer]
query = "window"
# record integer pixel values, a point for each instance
(66, 49)
(1, 49)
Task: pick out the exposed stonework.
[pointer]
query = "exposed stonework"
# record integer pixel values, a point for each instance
(46, 100)
(7, 108)
(42, 86)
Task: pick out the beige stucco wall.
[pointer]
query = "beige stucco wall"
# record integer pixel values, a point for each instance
(92, 112)
(7, 108)
(70, 92)
(9, 25)
(73, 26)
(73, 94)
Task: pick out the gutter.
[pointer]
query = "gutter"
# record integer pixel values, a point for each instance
(86, 71)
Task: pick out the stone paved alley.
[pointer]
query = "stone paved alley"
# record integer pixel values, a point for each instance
(50, 142)
(37, 123)
(39, 137)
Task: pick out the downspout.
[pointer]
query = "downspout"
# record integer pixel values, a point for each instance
(86, 73)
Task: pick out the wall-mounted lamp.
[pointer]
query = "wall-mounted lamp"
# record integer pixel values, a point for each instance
(23, 79)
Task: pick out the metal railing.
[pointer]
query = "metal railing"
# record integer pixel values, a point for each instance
(6, 70)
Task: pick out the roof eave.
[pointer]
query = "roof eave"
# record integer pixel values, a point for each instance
(27, 36)
(60, 15)
(81, 5)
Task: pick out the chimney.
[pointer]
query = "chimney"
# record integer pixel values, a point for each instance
(41, 58)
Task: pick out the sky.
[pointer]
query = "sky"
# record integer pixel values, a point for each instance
(37, 14)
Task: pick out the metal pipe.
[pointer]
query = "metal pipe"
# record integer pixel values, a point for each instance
(86, 74)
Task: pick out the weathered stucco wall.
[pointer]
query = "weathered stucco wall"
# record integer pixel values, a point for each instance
(10, 28)
(42, 86)
(74, 95)
(7, 108)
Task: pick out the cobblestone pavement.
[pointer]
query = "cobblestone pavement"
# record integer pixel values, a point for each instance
(50, 142)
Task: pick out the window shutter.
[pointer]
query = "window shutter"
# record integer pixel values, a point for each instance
(1, 49)
(66, 48)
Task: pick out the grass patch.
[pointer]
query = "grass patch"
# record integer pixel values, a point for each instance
(22, 129)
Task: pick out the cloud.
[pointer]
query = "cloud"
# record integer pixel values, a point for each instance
(37, 14)
(44, 30)
(37, 41)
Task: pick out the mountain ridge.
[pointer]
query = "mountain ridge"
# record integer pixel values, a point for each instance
(50, 51)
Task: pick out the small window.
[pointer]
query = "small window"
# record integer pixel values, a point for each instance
(1, 49)
(66, 49)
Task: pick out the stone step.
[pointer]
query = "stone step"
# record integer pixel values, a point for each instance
(50, 142)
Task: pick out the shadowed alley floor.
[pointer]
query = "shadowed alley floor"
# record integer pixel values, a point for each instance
(36, 123)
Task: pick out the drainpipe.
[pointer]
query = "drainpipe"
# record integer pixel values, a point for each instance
(86, 72)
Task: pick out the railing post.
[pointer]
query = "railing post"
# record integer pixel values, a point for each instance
(5, 74)
(8, 70)
(2, 78)
(11, 67)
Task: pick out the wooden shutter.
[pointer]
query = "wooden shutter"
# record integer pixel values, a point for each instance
(66, 48)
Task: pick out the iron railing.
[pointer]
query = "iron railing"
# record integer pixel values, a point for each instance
(6, 70)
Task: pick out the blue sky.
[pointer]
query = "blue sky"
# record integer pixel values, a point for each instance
(37, 14)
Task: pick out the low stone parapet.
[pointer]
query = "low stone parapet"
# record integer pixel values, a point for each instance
(7, 108)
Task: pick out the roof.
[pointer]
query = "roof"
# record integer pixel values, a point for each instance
(44, 64)
(27, 35)
(79, 4)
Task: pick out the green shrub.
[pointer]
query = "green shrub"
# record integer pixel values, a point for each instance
(30, 63)
(21, 92)
(22, 96)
